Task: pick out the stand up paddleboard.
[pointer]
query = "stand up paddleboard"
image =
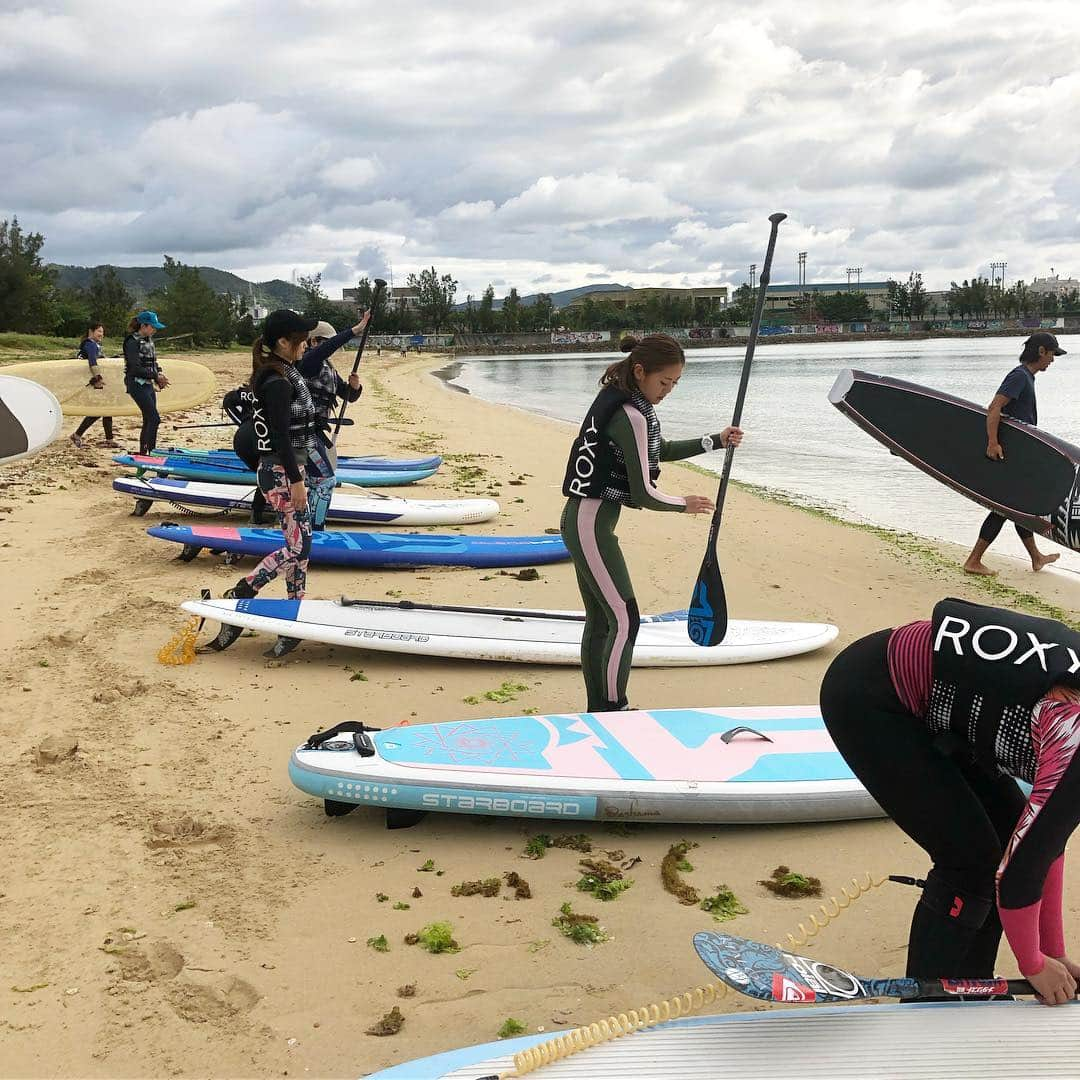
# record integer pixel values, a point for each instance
(373, 549)
(1037, 485)
(356, 509)
(345, 461)
(970, 1041)
(30, 418)
(731, 766)
(225, 473)
(190, 384)
(511, 634)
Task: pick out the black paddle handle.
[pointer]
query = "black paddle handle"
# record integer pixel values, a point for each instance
(740, 397)
(379, 286)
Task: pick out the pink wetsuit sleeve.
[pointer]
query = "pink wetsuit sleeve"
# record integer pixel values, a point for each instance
(1021, 926)
(1051, 925)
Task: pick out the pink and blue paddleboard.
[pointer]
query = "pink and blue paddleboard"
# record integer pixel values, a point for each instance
(372, 549)
(741, 765)
(346, 461)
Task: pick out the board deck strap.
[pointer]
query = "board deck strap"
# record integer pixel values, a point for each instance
(1037, 485)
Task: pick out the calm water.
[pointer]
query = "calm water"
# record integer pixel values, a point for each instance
(796, 441)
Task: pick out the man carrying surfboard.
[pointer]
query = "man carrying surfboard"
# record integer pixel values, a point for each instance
(1016, 399)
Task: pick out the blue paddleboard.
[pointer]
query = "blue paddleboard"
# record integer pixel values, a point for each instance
(223, 473)
(376, 549)
(346, 461)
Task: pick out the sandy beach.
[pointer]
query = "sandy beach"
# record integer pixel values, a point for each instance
(171, 906)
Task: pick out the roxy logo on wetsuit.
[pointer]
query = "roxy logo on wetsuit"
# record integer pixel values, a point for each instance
(997, 643)
(584, 459)
(264, 444)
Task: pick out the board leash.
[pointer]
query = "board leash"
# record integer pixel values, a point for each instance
(685, 1004)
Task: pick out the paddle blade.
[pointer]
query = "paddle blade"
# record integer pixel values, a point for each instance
(707, 623)
(765, 972)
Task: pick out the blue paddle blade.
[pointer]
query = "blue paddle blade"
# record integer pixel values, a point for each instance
(707, 622)
(770, 974)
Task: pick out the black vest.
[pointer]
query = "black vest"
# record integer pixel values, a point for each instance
(588, 468)
(302, 423)
(990, 668)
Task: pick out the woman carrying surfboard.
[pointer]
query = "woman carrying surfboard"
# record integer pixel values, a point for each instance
(615, 462)
(326, 387)
(284, 425)
(90, 350)
(936, 718)
(143, 376)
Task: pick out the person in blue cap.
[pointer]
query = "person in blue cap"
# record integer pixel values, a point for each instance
(143, 376)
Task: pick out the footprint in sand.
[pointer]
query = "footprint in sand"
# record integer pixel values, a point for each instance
(150, 962)
(228, 996)
(186, 831)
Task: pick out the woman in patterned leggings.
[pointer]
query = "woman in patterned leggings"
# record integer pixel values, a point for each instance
(285, 424)
(936, 718)
(615, 462)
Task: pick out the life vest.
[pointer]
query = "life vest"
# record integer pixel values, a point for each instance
(990, 667)
(302, 422)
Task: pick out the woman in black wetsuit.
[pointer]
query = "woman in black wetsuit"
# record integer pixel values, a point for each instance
(143, 376)
(284, 425)
(936, 718)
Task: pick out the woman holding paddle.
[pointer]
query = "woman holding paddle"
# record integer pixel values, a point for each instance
(615, 462)
(936, 718)
(284, 423)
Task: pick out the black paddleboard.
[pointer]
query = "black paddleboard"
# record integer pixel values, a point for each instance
(1037, 485)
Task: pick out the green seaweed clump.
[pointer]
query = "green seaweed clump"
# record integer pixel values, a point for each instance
(438, 937)
(510, 1028)
(674, 860)
(576, 842)
(379, 944)
(487, 887)
(390, 1024)
(536, 845)
(582, 929)
(786, 882)
(724, 906)
(603, 879)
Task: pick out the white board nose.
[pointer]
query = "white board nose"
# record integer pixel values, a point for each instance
(844, 382)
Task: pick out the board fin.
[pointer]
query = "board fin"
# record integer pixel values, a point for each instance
(338, 809)
(399, 818)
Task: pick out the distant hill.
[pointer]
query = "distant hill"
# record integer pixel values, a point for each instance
(142, 280)
(559, 299)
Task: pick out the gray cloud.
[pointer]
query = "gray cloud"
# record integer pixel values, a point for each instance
(548, 146)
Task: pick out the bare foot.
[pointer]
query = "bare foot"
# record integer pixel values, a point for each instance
(1044, 560)
(978, 568)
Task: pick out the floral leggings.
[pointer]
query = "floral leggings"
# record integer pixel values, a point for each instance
(295, 524)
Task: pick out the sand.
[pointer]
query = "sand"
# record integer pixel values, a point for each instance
(171, 906)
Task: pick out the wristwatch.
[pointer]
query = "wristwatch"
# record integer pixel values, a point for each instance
(707, 443)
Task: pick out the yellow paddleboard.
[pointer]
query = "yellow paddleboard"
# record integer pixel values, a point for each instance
(190, 384)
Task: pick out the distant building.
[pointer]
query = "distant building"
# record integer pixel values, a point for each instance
(258, 312)
(1054, 286)
(783, 297)
(398, 298)
(711, 297)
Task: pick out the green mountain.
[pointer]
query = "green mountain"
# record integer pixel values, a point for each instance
(142, 280)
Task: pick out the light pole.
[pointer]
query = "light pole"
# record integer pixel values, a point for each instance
(857, 271)
(802, 267)
(753, 275)
(996, 269)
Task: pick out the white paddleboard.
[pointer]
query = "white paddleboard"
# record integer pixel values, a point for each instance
(524, 636)
(359, 509)
(960, 1041)
(30, 418)
(740, 765)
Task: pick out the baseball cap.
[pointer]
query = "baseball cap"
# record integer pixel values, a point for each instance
(283, 322)
(1047, 341)
(322, 330)
(150, 318)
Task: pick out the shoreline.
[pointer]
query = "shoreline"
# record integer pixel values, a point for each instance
(180, 909)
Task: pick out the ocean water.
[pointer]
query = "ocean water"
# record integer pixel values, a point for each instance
(797, 442)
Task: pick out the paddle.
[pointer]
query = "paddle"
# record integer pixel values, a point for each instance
(708, 620)
(770, 974)
(513, 613)
(375, 296)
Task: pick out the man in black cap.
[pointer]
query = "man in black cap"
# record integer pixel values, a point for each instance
(1016, 399)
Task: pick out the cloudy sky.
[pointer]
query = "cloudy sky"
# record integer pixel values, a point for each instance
(546, 144)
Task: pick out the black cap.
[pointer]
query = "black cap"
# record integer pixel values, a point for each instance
(1047, 341)
(283, 322)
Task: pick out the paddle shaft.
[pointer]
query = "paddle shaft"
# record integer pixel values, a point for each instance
(514, 613)
(379, 286)
(740, 397)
